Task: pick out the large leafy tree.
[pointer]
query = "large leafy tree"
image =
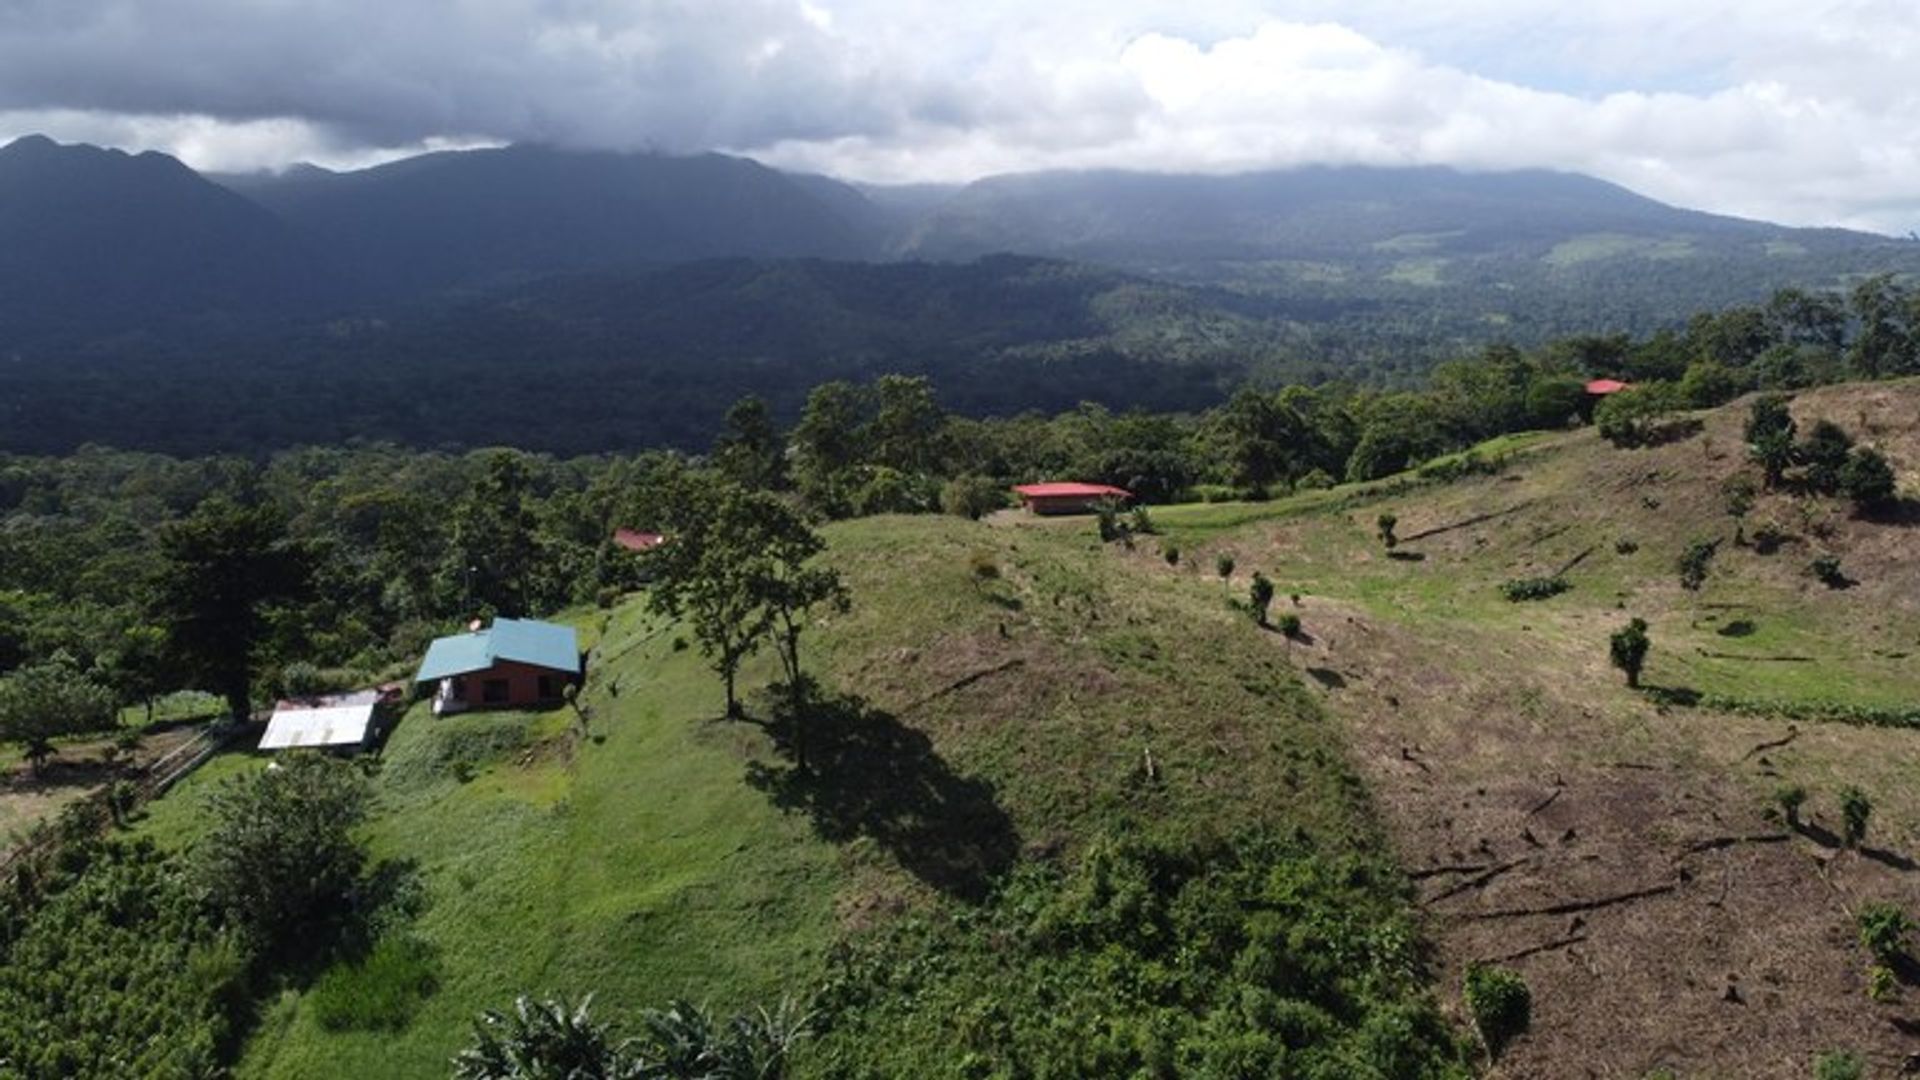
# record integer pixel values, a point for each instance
(40, 702)
(749, 450)
(282, 853)
(495, 537)
(223, 568)
(1769, 433)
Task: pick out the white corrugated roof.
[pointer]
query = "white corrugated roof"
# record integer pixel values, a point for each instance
(332, 725)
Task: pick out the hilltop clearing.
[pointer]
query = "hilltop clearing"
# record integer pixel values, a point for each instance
(1625, 851)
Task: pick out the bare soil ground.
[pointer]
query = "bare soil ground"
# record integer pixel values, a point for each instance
(1621, 861)
(80, 767)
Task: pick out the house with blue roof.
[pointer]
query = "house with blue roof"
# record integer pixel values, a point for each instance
(515, 663)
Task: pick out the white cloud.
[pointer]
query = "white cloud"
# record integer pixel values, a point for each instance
(1806, 112)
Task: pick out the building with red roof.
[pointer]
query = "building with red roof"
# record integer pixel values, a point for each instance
(634, 540)
(1603, 387)
(1066, 497)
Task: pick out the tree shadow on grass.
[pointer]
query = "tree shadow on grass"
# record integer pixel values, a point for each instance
(869, 775)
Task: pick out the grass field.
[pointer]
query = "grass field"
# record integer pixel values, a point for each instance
(1021, 694)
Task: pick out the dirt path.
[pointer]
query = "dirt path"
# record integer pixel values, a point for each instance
(1617, 856)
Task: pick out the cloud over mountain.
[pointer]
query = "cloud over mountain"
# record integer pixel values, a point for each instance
(1802, 112)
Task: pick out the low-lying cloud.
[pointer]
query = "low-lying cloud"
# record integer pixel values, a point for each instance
(1806, 113)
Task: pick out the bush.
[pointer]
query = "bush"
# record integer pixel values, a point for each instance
(1695, 562)
(1290, 625)
(1534, 588)
(1500, 1004)
(1855, 809)
(380, 992)
(1141, 523)
(1881, 984)
(1768, 537)
(1826, 570)
(1171, 553)
(1625, 546)
(1883, 930)
(982, 567)
(972, 496)
(1824, 453)
(282, 851)
(1838, 1065)
(1790, 797)
(1628, 649)
(1260, 594)
(1384, 525)
(1223, 565)
(1867, 479)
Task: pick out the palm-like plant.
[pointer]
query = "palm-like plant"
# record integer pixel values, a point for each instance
(546, 1040)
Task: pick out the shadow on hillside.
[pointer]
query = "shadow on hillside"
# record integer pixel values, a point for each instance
(1902, 511)
(1403, 555)
(868, 775)
(1821, 835)
(1892, 860)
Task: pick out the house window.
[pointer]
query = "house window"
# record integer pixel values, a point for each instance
(549, 688)
(494, 691)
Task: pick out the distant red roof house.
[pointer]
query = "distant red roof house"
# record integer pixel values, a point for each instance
(634, 540)
(1607, 386)
(1067, 497)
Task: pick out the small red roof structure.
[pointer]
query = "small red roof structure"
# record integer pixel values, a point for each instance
(633, 540)
(1607, 386)
(1067, 497)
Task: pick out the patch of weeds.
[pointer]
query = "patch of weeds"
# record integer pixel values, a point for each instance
(1839, 1065)
(1534, 588)
(1500, 1004)
(1883, 930)
(1695, 562)
(1881, 985)
(379, 992)
(1625, 546)
(1826, 570)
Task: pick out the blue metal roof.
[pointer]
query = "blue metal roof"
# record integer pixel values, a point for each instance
(527, 641)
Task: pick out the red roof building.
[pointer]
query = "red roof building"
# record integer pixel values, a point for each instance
(1067, 497)
(1602, 387)
(634, 540)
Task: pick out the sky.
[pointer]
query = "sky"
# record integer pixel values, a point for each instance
(1804, 112)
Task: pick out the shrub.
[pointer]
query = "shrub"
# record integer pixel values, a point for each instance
(1838, 1065)
(1384, 525)
(1171, 553)
(1768, 537)
(1881, 985)
(1855, 809)
(1695, 563)
(1638, 416)
(1625, 546)
(1500, 1004)
(1824, 453)
(1108, 520)
(1534, 588)
(1290, 625)
(1789, 798)
(1260, 593)
(1867, 479)
(1223, 565)
(1628, 649)
(1769, 436)
(1883, 930)
(972, 496)
(1141, 522)
(1826, 569)
(981, 566)
(380, 992)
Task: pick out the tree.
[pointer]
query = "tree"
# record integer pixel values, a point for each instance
(1769, 436)
(1637, 416)
(972, 495)
(1260, 594)
(222, 569)
(1824, 453)
(282, 853)
(906, 423)
(1855, 809)
(494, 547)
(1867, 479)
(740, 571)
(1384, 526)
(828, 442)
(40, 702)
(749, 450)
(547, 1040)
(1628, 649)
(1695, 562)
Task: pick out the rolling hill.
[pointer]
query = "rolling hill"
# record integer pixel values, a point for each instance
(1083, 727)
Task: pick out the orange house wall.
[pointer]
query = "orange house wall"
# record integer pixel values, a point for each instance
(523, 684)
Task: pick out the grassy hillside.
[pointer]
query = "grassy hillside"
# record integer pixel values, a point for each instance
(1024, 697)
(1064, 793)
(1625, 850)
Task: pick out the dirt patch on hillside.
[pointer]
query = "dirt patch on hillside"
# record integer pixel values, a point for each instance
(1619, 857)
